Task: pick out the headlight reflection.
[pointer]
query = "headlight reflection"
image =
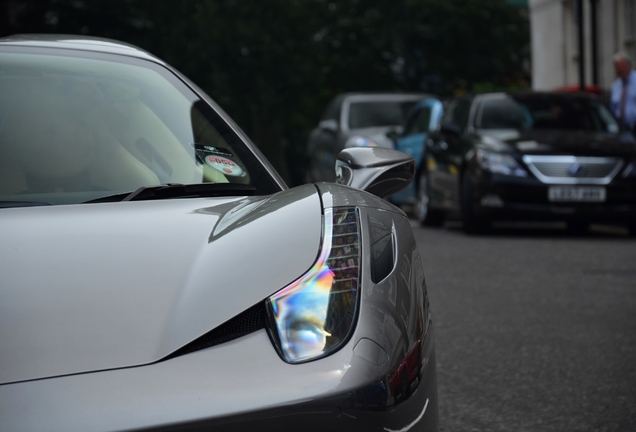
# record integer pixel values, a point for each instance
(314, 315)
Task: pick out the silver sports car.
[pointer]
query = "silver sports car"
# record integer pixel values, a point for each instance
(156, 273)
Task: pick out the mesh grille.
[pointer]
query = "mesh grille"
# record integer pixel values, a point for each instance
(243, 324)
(573, 169)
(591, 170)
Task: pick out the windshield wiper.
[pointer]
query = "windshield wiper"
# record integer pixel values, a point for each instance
(10, 204)
(177, 190)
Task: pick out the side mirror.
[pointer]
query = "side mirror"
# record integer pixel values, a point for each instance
(329, 125)
(378, 170)
(450, 128)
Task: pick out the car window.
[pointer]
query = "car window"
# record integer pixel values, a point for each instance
(504, 113)
(546, 112)
(373, 114)
(420, 122)
(79, 127)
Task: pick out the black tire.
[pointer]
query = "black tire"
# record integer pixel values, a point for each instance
(473, 224)
(423, 213)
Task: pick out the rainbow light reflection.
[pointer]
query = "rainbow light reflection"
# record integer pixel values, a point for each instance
(301, 309)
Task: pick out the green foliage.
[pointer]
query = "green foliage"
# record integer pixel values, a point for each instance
(273, 65)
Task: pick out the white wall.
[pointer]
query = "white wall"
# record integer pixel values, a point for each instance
(548, 44)
(554, 41)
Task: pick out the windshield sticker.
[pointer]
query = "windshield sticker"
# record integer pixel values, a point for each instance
(203, 151)
(224, 165)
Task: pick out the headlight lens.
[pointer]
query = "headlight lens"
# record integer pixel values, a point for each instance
(315, 315)
(500, 163)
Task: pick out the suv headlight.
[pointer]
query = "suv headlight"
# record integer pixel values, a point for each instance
(500, 163)
(315, 315)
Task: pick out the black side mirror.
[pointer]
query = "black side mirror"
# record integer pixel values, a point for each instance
(451, 128)
(378, 170)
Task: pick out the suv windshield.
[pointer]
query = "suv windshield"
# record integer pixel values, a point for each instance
(545, 112)
(77, 126)
(374, 114)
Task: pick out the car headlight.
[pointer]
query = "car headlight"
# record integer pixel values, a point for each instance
(500, 163)
(360, 141)
(315, 315)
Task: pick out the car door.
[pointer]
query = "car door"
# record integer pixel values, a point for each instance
(422, 119)
(421, 122)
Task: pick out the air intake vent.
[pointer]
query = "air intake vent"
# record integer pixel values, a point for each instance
(243, 324)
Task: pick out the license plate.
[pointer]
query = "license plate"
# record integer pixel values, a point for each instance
(576, 193)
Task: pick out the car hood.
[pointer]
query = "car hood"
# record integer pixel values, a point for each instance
(375, 134)
(99, 286)
(558, 142)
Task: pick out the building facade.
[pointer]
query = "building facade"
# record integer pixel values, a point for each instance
(608, 26)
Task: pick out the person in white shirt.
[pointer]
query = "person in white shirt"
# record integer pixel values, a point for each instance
(623, 96)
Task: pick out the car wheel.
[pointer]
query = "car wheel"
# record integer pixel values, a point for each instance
(473, 224)
(423, 213)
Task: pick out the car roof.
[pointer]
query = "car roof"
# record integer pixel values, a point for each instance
(77, 42)
(361, 96)
(528, 94)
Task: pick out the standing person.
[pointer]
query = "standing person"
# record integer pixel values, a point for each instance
(623, 98)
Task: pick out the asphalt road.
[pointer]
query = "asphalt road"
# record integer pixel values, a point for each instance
(535, 328)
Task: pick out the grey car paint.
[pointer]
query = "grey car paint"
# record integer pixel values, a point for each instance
(142, 285)
(207, 388)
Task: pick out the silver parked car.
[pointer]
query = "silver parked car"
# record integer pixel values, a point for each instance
(157, 274)
(355, 120)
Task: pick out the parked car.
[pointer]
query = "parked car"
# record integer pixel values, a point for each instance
(421, 121)
(158, 274)
(354, 120)
(529, 156)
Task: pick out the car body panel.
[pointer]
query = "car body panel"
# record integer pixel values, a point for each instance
(216, 386)
(128, 298)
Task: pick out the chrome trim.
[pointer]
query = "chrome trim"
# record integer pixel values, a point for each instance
(560, 164)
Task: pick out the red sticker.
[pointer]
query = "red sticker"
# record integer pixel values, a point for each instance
(224, 165)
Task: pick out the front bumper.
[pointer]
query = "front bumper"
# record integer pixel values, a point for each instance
(505, 197)
(220, 389)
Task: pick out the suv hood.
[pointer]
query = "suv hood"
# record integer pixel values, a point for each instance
(99, 286)
(559, 142)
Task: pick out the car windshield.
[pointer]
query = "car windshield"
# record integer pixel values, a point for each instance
(77, 126)
(374, 114)
(543, 112)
